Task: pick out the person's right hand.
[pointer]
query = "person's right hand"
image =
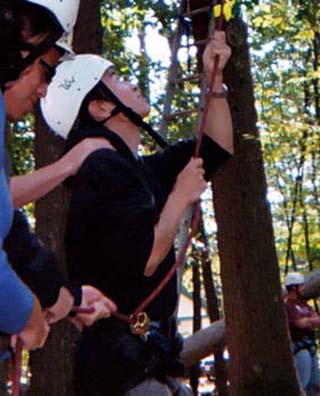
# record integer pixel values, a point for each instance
(36, 331)
(92, 298)
(77, 155)
(190, 182)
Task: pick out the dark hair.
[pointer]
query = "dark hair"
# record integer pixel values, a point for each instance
(21, 20)
(35, 19)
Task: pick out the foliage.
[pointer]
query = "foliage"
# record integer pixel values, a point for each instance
(20, 145)
(286, 41)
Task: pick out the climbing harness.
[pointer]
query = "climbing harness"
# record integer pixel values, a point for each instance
(308, 344)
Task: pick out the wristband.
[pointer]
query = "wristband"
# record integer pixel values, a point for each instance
(222, 94)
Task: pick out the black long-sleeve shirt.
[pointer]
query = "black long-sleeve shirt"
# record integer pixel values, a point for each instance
(116, 203)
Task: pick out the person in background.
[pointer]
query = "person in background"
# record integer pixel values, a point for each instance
(303, 321)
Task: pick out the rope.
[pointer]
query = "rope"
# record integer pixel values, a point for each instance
(16, 382)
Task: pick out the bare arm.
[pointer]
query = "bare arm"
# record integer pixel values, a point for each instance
(219, 122)
(311, 323)
(188, 188)
(28, 188)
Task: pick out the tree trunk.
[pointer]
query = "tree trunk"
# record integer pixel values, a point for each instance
(196, 282)
(53, 365)
(261, 360)
(214, 314)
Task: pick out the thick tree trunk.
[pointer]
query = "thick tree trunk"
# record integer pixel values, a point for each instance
(53, 365)
(261, 361)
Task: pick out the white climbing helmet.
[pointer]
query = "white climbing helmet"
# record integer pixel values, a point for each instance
(65, 42)
(73, 80)
(294, 278)
(66, 11)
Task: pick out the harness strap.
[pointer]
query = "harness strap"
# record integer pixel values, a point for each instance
(308, 344)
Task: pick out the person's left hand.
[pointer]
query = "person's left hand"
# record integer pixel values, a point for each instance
(102, 307)
(216, 46)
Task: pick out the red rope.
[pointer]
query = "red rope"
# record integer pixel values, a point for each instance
(16, 382)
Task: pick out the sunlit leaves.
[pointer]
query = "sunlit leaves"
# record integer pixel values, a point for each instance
(286, 72)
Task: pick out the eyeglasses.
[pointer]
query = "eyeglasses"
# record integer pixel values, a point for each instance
(49, 70)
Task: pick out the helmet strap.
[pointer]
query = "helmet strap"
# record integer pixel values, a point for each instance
(132, 115)
(113, 113)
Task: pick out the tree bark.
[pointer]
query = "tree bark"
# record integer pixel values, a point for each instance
(52, 366)
(261, 361)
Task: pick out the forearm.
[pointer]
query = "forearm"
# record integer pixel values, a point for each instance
(219, 123)
(310, 323)
(165, 231)
(28, 188)
(315, 322)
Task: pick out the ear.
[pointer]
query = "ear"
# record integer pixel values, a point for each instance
(100, 109)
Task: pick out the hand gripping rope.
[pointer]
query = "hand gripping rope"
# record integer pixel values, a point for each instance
(17, 356)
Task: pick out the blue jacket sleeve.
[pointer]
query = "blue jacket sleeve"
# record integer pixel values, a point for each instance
(16, 300)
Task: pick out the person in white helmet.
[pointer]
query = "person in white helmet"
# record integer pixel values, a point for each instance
(28, 30)
(303, 321)
(125, 210)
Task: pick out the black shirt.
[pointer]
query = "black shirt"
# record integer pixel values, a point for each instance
(36, 265)
(116, 202)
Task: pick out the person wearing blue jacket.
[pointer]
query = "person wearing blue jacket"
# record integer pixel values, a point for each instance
(16, 300)
(28, 57)
(20, 310)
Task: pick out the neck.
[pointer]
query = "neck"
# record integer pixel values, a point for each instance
(128, 131)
